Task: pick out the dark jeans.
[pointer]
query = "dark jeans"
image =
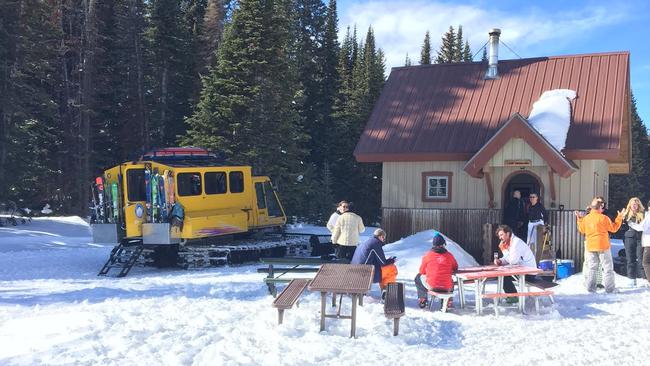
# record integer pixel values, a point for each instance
(633, 254)
(423, 289)
(345, 251)
(509, 286)
(646, 262)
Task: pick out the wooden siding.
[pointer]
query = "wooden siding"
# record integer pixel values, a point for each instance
(466, 228)
(402, 184)
(516, 149)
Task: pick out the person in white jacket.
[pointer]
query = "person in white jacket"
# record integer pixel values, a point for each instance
(515, 252)
(345, 235)
(644, 227)
(340, 209)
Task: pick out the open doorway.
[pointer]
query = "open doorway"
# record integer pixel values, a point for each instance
(526, 183)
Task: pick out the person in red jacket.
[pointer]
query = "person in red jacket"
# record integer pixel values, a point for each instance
(436, 269)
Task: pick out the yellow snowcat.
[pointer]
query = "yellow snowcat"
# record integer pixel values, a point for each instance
(184, 206)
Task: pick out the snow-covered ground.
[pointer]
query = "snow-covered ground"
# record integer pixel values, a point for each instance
(54, 310)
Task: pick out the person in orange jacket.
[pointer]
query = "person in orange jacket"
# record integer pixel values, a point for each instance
(438, 264)
(596, 227)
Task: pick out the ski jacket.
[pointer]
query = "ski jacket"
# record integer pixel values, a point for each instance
(644, 227)
(332, 221)
(518, 253)
(438, 268)
(347, 229)
(371, 252)
(537, 212)
(595, 226)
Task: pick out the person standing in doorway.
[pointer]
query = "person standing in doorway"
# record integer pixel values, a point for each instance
(634, 213)
(536, 216)
(345, 235)
(596, 228)
(513, 215)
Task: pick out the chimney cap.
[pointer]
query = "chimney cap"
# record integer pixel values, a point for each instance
(495, 31)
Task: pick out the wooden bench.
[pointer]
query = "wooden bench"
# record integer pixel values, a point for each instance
(289, 296)
(535, 294)
(444, 296)
(394, 307)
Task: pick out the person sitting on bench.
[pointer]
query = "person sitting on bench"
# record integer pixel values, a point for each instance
(515, 252)
(436, 269)
(371, 252)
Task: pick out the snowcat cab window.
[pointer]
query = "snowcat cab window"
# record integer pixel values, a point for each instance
(189, 184)
(274, 207)
(135, 183)
(236, 182)
(259, 190)
(215, 183)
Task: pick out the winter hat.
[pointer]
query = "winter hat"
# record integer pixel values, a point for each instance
(438, 241)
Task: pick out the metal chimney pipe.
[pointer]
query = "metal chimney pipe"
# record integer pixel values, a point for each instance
(492, 71)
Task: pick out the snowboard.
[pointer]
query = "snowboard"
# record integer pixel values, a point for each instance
(154, 197)
(161, 198)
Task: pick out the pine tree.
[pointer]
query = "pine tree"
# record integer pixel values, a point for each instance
(637, 182)
(172, 73)
(407, 61)
(467, 53)
(425, 53)
(246, 111)
(29, 133)
(448, 47)
(213, 24)
(459, 51)
(484, 57)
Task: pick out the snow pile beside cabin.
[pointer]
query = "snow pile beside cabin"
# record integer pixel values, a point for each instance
(551, 116)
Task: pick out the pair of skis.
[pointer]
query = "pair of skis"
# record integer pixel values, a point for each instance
(159, 194)
(105, 201)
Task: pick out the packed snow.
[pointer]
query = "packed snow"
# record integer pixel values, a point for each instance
(551, 116)
(54, 310)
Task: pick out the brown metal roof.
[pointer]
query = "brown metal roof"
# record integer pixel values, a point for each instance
(449, 111)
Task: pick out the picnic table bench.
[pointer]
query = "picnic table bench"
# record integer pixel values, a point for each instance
(394, 307)
(288, 265)
(289, 296)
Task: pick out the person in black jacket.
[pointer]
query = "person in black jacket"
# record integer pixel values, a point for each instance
(514, 215)
(536, 216)
(371, 252)
(634, 213)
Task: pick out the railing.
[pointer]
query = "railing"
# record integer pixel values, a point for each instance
(465, 226)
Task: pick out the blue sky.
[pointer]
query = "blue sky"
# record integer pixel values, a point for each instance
(530, 28)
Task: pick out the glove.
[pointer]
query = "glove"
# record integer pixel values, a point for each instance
(390, 260)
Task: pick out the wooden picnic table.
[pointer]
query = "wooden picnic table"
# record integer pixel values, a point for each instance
(482, 273)
(345, 279)
(277, 273)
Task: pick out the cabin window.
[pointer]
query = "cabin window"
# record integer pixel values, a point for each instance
(236, 180)
(436, 186)
(189, 184)
(215, 183)
(135, 185)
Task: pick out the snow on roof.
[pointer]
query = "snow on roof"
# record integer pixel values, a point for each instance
(551, 116)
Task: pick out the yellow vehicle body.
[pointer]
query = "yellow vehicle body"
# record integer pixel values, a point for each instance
(217, 200)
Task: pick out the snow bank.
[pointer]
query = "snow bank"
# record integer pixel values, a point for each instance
(551, 116)
(46, 233)
(54, 310)
(410, 250)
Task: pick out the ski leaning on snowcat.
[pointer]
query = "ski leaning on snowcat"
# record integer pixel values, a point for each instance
(183, 206)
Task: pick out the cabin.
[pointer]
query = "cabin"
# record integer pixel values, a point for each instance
(455, 140)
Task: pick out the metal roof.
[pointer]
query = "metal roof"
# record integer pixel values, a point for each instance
(449, 111)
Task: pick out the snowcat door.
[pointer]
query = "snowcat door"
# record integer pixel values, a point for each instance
(261, 212)
(134, 204)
